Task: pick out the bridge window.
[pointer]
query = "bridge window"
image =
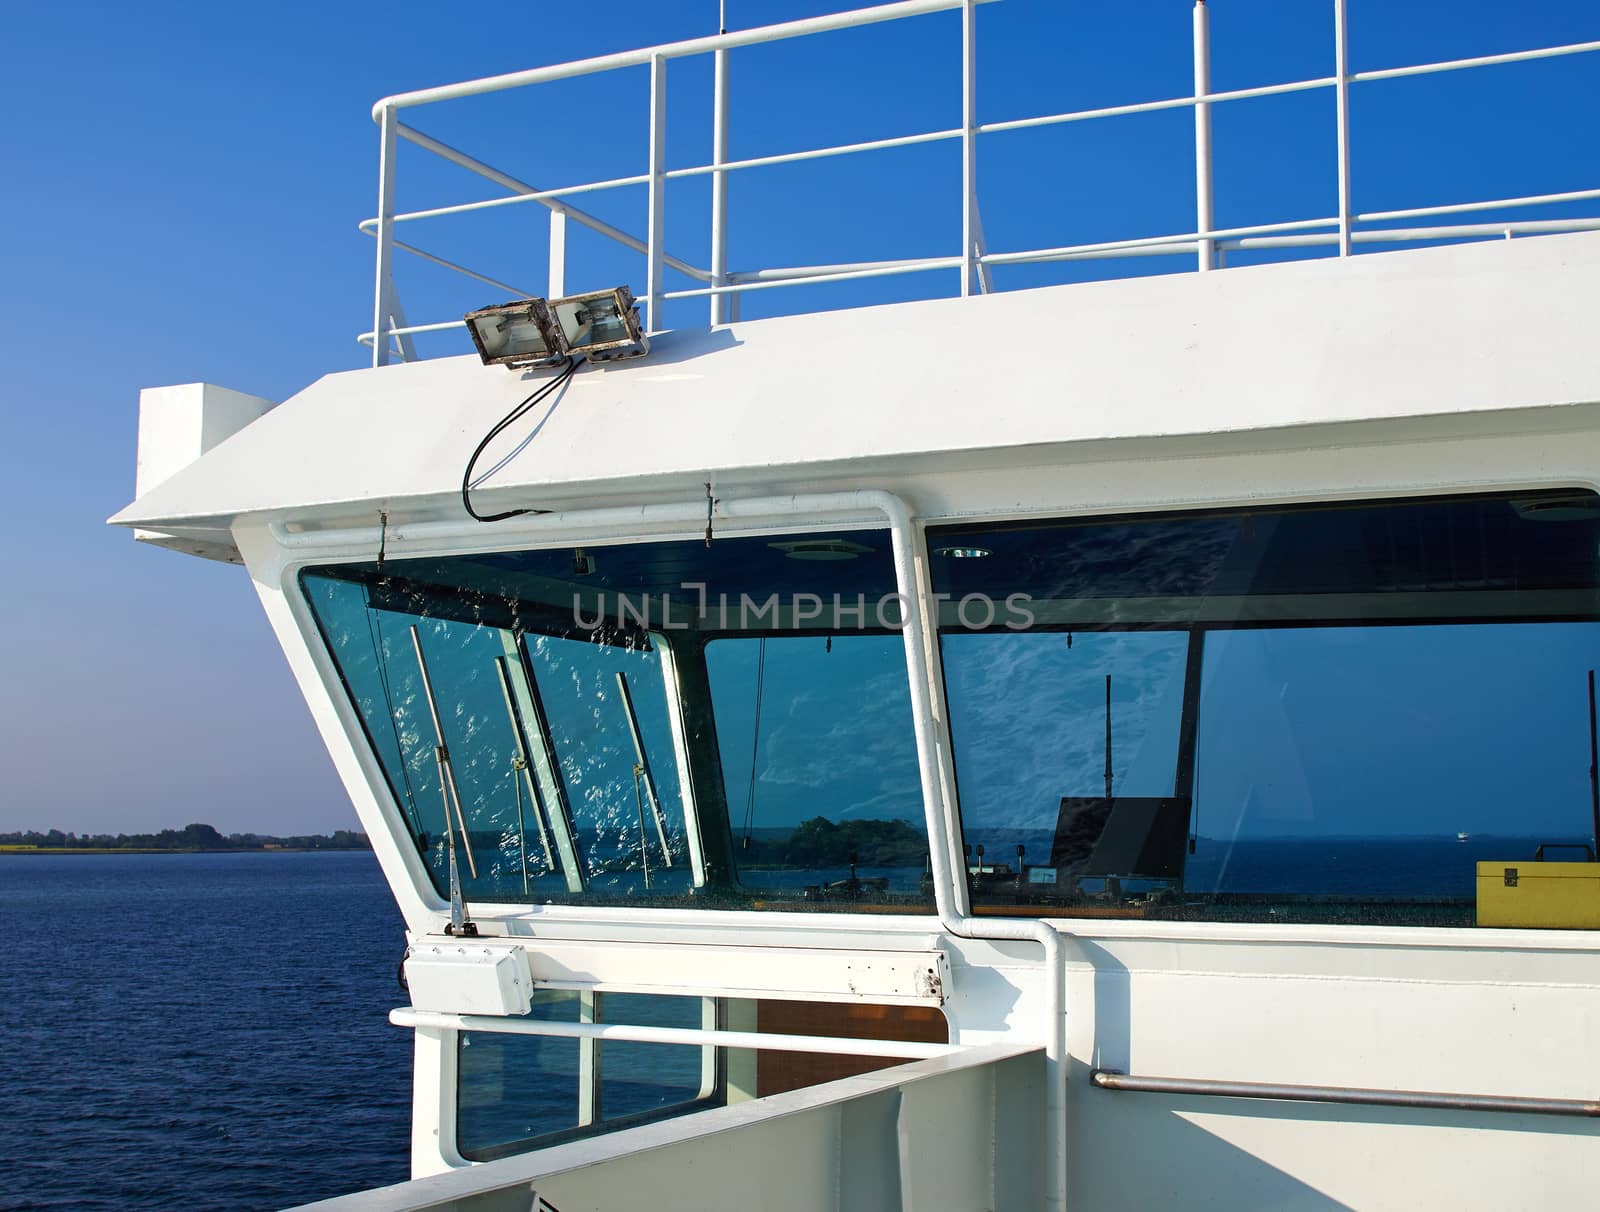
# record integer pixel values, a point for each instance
(521, 1092)
(658, 723)
(1311, 713)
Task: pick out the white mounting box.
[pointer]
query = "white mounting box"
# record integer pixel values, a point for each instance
(469, 978)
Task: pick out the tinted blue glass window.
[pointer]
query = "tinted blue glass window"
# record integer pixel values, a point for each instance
(520, 1092)
(820, 766)
(1314, 713)
(576, 687)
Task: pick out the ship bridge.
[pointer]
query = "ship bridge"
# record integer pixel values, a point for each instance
(1121, 743)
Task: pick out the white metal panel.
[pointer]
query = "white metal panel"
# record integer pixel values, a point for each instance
(468, 977)
(800, 973)
(1435, 331)
(955, 1132)
(1468, 1012)
(177, 425)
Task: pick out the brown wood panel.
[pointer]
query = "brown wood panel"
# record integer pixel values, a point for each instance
(780, 1071)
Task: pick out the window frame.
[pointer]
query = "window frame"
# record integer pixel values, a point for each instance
(953, 530)
(592, 1120)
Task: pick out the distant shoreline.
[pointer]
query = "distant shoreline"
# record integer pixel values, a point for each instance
(33, 850)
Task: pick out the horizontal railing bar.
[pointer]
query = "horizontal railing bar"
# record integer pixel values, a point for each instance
(1400, 235)
(847, 276)
(367, 338)
(460, 269)
(490, 173)
(1511, 1104)
(1147, 107)
(1455, 65)
(1417, 212)
(669, 50)
(405, 1016)
(461, 208)
(764, 279)
(786, 273)
(840, 149)
(1069, 251)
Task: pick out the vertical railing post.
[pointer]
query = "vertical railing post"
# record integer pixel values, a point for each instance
(720, 311)
(969, 148)
(589, 1080)
(656, 224)
(558, 254)
(383, 289)
(1341, 67)
(1203, 216)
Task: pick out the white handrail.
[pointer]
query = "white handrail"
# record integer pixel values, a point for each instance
(766, 1041)
(723, 285)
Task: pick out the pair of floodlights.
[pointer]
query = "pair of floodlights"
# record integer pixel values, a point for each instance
(602, 325)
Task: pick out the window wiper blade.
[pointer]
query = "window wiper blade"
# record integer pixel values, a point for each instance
(642, 772)
(460, 919)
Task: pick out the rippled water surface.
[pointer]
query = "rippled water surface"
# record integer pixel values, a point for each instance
(198, 1031)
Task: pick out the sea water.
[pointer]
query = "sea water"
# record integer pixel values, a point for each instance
(199, 1031)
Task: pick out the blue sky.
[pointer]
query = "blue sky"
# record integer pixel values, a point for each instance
(183, 183)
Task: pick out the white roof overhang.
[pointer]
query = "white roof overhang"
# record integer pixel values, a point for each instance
(1464, 329)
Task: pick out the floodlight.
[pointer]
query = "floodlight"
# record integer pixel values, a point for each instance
(516, 334)
(601, 325)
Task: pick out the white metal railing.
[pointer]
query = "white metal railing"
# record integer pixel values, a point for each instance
(391, 335)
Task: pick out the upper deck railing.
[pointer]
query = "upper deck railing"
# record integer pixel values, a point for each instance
(1343, 229)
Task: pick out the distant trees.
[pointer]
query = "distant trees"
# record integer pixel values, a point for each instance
(820, 842)
(196, 836)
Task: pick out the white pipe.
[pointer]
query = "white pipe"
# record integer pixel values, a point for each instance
(516, 199)
(462, 269)
(1150, 107)
(815, 153)
(950, 897)
(1401, 235)
(383, 288)
(656, 208)
(1456, 65)
(719, 185)
(969, 150)
(1237, 238)
(1202, 130)
(1341, 69)
(785, 273)
(405, 1016)
(669, 50)
(489, 173)
(884, 271)
(1047, 254)
(1418, 212)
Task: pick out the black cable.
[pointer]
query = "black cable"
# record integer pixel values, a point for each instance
(511, 418)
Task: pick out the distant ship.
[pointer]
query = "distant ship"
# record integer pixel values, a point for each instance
(1461, 837)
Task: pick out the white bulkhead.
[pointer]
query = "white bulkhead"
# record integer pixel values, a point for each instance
(1457, 374)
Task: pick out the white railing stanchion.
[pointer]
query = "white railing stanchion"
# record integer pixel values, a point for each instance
(1202, 131)
(969, 148)
(1341, 92)
(719, 187)
(383, 289)
(655, 226)
(558, 254)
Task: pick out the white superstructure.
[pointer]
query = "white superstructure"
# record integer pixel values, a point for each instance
(1334, 522)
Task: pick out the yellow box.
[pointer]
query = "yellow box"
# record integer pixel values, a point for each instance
(1549, 895)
